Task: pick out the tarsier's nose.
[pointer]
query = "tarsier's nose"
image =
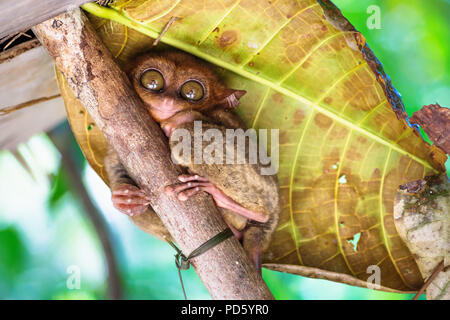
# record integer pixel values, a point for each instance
(163, 109)
(167, 103)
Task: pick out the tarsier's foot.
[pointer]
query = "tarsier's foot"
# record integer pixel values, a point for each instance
(192, 184)
(129, 199)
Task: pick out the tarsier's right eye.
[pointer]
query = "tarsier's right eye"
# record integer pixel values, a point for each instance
(192, 90)
(153, 80)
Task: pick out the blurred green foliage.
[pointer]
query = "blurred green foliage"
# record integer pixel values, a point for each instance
(43, 230)
(13, 253)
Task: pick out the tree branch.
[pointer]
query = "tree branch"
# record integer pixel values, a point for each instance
(107, 94)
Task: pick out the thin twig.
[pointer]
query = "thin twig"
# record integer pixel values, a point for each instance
(433, 276)
(4, 39)
(30, 103)
(25, 165)
(171, 21)
(17, 36)
(64, 142)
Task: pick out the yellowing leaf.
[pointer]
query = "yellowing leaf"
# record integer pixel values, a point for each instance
(343, 149)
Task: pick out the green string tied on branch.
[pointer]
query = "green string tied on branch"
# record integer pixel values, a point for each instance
(183, 263)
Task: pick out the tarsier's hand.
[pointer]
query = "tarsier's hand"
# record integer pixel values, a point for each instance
(129, 199)
(192, 184)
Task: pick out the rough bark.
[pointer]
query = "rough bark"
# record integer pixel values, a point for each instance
(142, 147)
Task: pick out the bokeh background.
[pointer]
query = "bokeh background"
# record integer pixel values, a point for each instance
(47, 225)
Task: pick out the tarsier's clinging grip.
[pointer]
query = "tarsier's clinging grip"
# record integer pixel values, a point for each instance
(178, 89)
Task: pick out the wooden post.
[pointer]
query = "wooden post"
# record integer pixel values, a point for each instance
(105, 90)
(20, 15)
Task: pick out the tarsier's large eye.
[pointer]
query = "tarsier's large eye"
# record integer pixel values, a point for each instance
(153, 80)
(192, 90)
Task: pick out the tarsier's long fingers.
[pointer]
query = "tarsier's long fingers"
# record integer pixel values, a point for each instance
(129, 199)
(190, 177)
(187, 189)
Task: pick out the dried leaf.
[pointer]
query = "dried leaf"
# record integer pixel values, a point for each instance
(89, 137)
(435, 121)
(422, 219)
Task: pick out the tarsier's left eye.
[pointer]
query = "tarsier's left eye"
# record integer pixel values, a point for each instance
(153, 80)
(192, 90)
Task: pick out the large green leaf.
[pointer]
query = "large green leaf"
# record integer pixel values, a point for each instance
(345, 146)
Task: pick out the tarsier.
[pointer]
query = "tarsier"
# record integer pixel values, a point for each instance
(178, 89)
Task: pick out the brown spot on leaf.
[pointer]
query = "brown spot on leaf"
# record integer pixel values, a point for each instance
(354, 154)
(293, 54)
(339, 133)
(361, 139)
(328, 100)
(299, 115)
(228, 38)
(322, 121)
(376, 174)
(284, 137)
(278, 97)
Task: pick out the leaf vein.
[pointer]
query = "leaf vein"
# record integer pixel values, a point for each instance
(291, 184)
(336, 187)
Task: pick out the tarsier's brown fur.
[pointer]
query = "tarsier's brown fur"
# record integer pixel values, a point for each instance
(243, 183)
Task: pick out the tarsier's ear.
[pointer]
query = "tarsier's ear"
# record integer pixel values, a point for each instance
(229, 98)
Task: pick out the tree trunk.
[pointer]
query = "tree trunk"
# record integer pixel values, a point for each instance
(106, 92)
